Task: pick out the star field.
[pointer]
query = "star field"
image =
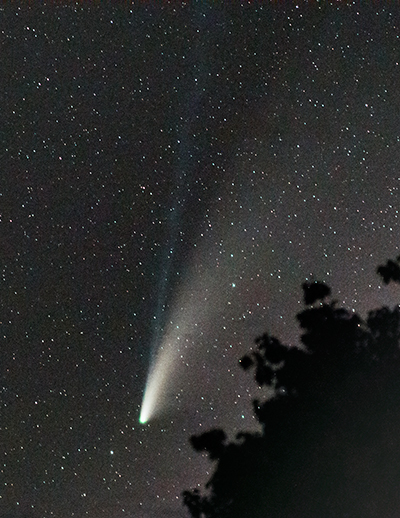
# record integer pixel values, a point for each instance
(175, 170)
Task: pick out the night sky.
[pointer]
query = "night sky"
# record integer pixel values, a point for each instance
(170, 174)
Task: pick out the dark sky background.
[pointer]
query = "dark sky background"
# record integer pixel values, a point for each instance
(170, 173)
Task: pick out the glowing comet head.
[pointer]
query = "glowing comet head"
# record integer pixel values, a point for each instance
(148, 402)
(146, 408)
(143, 416)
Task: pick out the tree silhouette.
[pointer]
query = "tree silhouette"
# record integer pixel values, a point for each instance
(390, 271)
(330, 441)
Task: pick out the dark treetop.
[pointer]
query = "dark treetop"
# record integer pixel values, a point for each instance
(329, 444)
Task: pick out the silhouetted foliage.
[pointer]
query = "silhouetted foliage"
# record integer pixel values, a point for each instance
(330, 440)
(315, 291)
(390, 271)
(212, 441)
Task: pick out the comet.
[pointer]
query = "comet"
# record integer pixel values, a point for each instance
(176, 333)
(175, 342)
(154, 393)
